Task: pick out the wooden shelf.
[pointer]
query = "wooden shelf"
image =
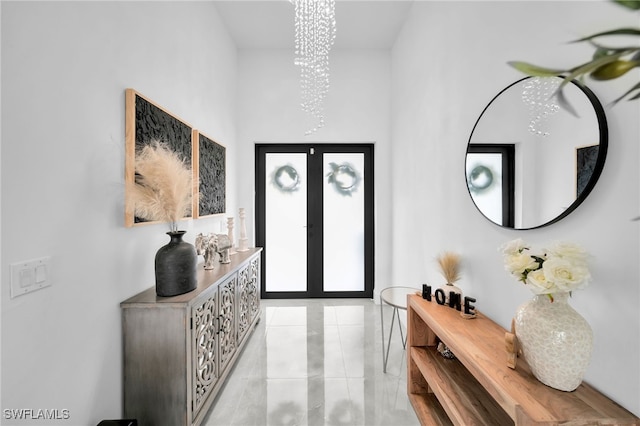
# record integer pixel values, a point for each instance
(465, 400)
(478, 387)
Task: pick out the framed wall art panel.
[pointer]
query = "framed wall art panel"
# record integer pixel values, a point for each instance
(586, 158)
(146, 122)
(210, 176)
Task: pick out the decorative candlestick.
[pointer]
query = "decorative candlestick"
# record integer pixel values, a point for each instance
(232, 249)
(243, 243)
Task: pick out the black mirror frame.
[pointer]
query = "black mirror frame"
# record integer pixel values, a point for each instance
(597, 171)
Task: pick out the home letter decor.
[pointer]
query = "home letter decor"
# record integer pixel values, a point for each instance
(426, 292)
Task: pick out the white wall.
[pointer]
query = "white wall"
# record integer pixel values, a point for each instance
(65, 67)
(357, 109)
(448, 63)
(64, 70)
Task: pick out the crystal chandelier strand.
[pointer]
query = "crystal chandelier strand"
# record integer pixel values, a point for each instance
(537, 94)
(315, 28)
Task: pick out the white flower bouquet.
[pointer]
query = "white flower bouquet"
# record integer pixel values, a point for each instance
(560, 269)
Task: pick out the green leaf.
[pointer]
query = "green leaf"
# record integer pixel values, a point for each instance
(564, 103)
(600, 52)
(578, 71)
(619, 31)
(535, 70)
(612, 49)
(631, 4)
(628, 92)
(589, 66)
(569, 75)
(613, 69)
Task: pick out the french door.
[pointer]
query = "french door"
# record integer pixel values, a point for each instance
(314, 218)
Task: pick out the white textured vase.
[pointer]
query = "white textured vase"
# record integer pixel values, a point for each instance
(555, 339)
(450, 288)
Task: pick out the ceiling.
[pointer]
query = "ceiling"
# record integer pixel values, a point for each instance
(268, 24)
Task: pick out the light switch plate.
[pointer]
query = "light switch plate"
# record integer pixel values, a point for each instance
(30, 275)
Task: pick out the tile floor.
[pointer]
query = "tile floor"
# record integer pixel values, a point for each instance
(317, 362)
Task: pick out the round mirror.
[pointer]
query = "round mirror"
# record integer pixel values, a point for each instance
(529, 162)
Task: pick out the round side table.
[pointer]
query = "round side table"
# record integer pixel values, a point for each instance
(397, 298)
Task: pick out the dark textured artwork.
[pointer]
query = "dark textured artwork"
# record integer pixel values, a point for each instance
(152, 123)
(212, 165)
(586, 158)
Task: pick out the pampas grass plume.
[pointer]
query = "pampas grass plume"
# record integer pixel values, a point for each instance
(450, 266)
(163, 184)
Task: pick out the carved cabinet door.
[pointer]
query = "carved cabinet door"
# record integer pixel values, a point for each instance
(228, 334)
(254, 288)
(243, 302)
(205, 371)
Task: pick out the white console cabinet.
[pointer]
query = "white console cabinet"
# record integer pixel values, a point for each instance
(178, 350)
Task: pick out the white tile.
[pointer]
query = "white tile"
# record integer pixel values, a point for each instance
(316, 362)
(287, 402)
(339, 408)
(289, 315)
(352, 339)
(330, 317)
(286, 352)
(333, 355)
(350, 315)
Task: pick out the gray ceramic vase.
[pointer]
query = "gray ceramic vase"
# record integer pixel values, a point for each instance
(175, 266)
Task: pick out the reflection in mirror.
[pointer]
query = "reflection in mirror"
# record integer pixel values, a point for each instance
(530, 163)
(490, 179)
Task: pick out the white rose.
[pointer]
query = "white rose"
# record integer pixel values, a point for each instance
(569, 251)
(538, 283)
(565, 274)
(513, 247)
(518, 263)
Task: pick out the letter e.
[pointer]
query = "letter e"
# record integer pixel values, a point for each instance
(468, 307)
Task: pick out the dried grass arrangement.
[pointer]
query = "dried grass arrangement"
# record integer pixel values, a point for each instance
(449, 266)
(163, 185)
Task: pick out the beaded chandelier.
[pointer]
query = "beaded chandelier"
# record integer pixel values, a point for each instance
(315, 33)
(538, 94)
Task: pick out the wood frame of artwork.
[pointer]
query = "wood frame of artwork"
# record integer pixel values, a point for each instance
(209, 177)
(146, 121)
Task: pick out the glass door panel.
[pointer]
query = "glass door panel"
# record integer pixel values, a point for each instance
(314, 218)
(491, 181)
(286, 221)
(484, 177)
(343, 222)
